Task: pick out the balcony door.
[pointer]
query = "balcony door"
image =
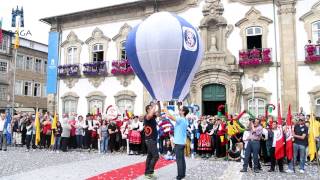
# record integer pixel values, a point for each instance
(254, 37)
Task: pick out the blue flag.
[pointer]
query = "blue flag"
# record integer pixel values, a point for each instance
(7, 127)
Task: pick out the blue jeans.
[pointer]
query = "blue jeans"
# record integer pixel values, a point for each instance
(301, 149)
(254, 148)
(104, 144)
(56, 143)
(79, 141)
(181, 161)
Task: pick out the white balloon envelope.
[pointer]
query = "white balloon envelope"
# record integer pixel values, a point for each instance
(165, 52)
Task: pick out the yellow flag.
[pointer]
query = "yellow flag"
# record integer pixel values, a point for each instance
(54, 126)
(16, 40)
(311, 138)
(37, 128)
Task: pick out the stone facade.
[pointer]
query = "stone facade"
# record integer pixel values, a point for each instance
(218, 26)
(29, 49)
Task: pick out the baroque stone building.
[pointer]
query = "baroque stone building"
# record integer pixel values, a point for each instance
(256, 53)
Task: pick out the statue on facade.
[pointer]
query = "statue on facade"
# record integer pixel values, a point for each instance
(213, 46)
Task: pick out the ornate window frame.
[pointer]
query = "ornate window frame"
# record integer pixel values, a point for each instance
(254, 18)
(256, 105)
(310, 17)
(314, 96)
(121, 37)
(259, 93)
(125, 94)
(97, 37)
(69, 96)
(72, 41)
(96, 95)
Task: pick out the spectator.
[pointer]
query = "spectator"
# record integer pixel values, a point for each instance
(65, 135)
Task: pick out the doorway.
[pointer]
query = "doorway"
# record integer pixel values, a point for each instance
(213, 95)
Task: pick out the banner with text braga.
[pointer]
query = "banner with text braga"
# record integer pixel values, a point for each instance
(53, 59)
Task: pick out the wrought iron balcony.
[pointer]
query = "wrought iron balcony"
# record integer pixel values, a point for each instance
(98, 68)
(69, 70)
(255, 57)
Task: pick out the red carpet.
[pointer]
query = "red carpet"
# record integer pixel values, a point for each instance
(129, 172)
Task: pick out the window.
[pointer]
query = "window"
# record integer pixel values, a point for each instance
(125, 104)
(97, 52)
(69, 106)
(256, 106)
(45, 64)
(3, 67)
(318, 107)
(27, 88)
(254, 37)
(44, 92)
(4, 44)
(29, 63)
(37, 90)
(72, 55)
(94, 105)
(3, 92)
(316, 32)
(123, 53)
(37, 65)
(20, 62)
(18, 87)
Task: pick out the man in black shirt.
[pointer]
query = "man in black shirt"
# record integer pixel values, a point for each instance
(300, 136)
(151, 135)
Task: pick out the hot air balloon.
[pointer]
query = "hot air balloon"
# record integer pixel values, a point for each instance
(165, 52)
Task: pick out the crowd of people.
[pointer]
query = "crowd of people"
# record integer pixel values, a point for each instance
(220, 136)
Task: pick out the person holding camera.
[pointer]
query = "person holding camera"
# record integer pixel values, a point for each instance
(253, 145)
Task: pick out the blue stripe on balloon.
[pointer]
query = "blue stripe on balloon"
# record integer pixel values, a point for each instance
(186, 63)
(134, 61)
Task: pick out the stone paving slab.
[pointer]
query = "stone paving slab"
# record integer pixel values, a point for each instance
(16, 164)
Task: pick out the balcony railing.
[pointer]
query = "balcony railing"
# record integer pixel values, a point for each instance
(98, 68)
(69, 70)
(121, 67)
(254, 57)
(312, 53)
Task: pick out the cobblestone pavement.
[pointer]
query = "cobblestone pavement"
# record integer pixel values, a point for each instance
(17, 164)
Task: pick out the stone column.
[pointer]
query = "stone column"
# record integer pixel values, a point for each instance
(288, 54)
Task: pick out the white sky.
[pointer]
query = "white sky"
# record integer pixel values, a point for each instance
(37, 9)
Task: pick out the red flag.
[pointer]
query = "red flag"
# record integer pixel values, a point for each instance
(279, 150)
(289, 144)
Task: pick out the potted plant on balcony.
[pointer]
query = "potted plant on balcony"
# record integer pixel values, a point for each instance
(121, 67)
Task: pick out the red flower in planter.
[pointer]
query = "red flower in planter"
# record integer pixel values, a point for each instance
(310, 50)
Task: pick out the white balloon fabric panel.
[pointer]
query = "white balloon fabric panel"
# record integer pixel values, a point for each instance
(165, 52)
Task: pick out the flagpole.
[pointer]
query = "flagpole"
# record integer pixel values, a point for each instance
(14, 80)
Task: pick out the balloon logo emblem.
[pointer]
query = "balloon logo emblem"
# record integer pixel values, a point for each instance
(190, 39)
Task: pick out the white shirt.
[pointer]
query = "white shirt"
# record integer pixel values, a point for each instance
(1, 124)
(245, 137)
(265, 133)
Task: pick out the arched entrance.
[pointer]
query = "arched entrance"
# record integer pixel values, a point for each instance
(213, 95)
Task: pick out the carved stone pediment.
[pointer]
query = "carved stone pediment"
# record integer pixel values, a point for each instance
(98, 37)
(256, 73)
(310, 17)
(72, 41)
(70, 82)
(254, 18)
(125, 80)
(96, 81)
